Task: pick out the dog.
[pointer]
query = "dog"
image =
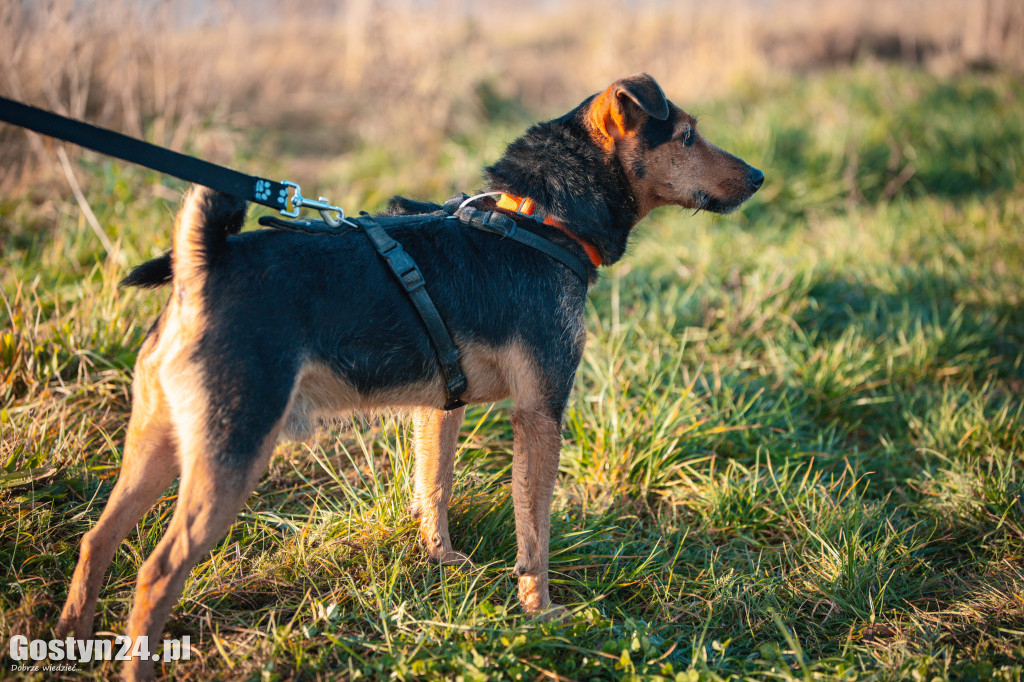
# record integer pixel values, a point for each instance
(266, 332)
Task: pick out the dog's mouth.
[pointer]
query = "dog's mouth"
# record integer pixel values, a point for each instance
(702, 201)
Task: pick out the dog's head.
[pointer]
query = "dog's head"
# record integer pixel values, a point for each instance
(666, 159)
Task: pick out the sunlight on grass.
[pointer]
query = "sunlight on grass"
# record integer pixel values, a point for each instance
(793, 450)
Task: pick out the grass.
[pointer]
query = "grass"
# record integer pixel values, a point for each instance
(793, 452)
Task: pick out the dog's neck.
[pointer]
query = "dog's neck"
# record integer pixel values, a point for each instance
(555, 164)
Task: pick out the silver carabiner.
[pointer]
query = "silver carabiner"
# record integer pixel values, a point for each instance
(321, 204)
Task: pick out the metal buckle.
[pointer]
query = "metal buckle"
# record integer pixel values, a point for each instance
(501, 223)
(413, 279)
(297, 201)
(457, 386)
(405, 267)
(294, 213)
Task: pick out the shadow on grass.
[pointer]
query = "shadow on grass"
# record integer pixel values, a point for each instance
(919, 136)
(877, 369)
(959, 333)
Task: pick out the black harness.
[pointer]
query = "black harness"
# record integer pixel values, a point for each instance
(409, 276)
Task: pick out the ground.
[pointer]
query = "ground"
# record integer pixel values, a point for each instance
(793, 450)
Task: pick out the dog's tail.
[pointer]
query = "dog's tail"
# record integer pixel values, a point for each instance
(201, 231)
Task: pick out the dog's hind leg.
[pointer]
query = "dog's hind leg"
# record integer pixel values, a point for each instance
(536, 446)
(213, 489)
(148, 466)
(435, 437)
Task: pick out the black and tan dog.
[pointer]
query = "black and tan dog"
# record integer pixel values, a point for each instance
(267, 331)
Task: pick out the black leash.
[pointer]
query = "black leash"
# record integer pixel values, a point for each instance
(249, 187)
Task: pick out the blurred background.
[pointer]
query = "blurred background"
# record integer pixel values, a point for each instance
(314, 80)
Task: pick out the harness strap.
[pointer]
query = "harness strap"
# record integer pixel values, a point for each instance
(411, 279)
(506, 228)
(528, 207)
(248, 187)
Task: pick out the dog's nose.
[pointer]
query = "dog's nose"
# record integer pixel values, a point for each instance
(756, 177)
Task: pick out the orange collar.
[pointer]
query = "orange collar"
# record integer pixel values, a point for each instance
(526, 206)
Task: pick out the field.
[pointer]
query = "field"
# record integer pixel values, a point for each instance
(794, 449)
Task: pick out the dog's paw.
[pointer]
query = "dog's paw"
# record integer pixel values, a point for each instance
(453, 558)
(138, 673)
(72, 622)
(62, 629)
(554, 613)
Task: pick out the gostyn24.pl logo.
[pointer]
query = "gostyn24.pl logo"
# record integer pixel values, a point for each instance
(66, 654)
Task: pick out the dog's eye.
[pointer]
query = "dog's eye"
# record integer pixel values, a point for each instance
(688, 137)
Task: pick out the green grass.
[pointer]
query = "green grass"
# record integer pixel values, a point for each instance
(794, 449)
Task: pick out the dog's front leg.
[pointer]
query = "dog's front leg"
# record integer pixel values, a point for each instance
(435, 436)
(537, 441)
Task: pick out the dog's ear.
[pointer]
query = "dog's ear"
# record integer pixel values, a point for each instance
(624, 106)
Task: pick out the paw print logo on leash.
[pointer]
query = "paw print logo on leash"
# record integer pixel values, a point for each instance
(262, 190)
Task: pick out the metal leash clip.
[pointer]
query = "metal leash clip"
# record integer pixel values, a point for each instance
(297, 201)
